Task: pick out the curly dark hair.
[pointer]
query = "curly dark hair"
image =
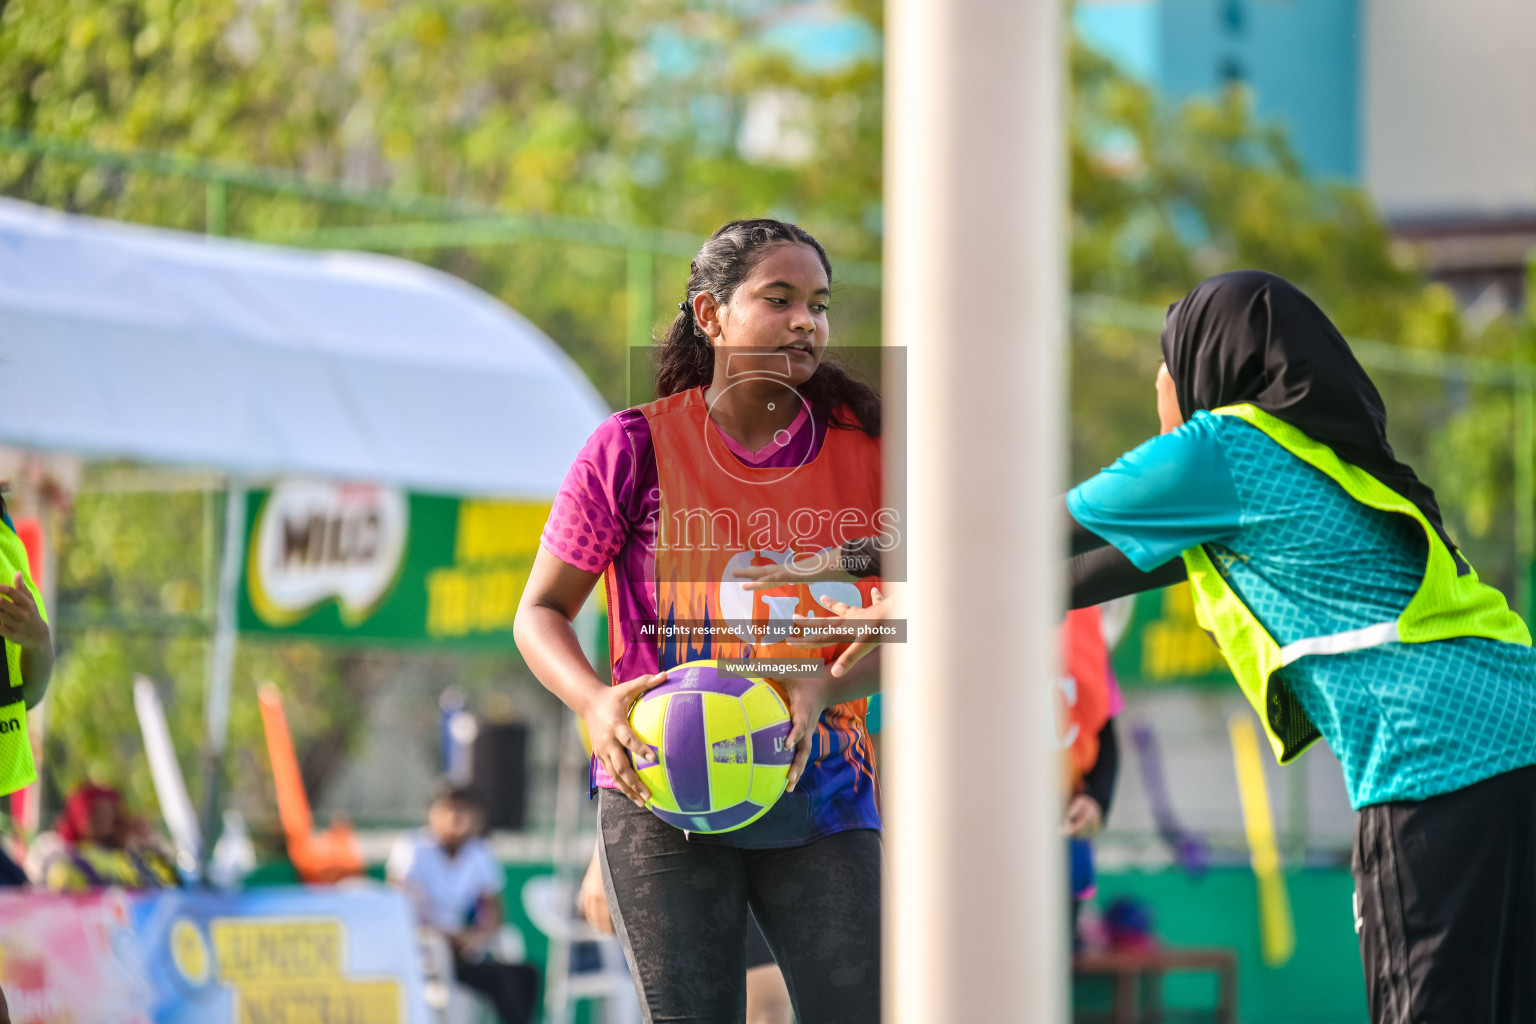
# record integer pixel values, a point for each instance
(687, 360)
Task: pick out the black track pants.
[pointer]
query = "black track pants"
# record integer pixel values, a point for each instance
(680, 909)
(1445, 894)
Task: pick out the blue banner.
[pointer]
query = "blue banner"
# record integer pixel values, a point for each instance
(266, 956)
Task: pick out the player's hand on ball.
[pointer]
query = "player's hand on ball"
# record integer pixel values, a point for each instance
(613, 741)
(20, 621)
(807, 697)
(821, 567)
(864, 618)
(1084, 817)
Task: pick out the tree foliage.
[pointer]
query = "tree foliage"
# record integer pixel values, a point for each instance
(135, 584)
(1163, 197)
(616, 110)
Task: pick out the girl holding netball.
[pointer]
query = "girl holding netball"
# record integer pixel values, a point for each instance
(755, 451)
(1321, 565)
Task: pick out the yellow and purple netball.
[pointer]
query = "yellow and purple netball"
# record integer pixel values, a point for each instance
(722, 747)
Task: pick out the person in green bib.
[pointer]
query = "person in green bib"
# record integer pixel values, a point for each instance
(1321, 566)
(28, 657)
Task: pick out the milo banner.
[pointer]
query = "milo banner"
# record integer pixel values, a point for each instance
(266, 956)
(358, 562)
(1163, 645)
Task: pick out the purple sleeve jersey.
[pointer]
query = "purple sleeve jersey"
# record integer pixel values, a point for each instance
(605, 514)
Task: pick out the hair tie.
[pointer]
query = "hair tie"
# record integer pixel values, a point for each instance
(683, 306)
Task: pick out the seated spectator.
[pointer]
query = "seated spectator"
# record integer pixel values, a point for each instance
(455, 883)
(104, 846)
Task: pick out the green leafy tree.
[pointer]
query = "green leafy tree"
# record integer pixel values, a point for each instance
(1163, 197)
(135, 596)
(617, 110)
(136, 574)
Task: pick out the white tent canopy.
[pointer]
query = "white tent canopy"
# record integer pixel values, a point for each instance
(167, 347)
(171, 348)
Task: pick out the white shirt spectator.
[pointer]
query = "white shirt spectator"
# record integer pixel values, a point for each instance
(445, 889)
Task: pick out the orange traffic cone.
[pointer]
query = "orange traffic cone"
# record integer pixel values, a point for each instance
(325, 857)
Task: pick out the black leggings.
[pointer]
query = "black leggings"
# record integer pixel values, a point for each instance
(680, 909)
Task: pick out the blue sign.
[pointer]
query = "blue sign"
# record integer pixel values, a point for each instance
(266, 956)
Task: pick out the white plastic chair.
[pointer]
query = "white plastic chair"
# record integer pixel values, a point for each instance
(551, 906)
(444, 999)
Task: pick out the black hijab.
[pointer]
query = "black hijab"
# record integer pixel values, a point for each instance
(1248, 336)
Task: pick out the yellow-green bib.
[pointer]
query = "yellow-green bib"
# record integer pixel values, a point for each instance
(16, 767)
(1446, 605)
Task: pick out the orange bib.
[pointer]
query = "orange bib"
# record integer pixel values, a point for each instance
(718, 515)
(1082, 692)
